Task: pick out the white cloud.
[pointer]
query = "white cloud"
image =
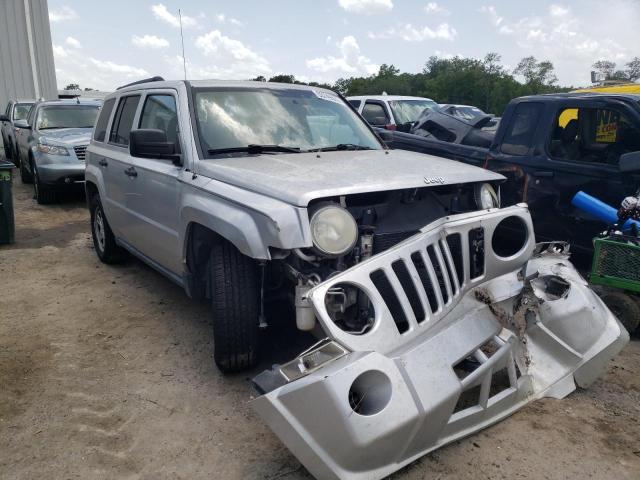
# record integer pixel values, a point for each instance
(409, 33)
(350, 61)
(434, 7)
(149, 41)
(60, 52)
(558, 11)
(573, 40)
(74, 66)
(161, 13)
(222, 18)
(62, 14)
(72, 42)
(233, 59)
(368, 7)
(112, 67)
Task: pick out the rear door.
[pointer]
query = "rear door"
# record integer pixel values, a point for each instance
(117, 171)
(582, 149)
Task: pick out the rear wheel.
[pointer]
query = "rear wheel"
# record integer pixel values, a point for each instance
(43, 194)
(624, 307)
(103, 239)
(236, 307)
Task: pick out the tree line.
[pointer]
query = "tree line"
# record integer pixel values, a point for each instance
(484, 83)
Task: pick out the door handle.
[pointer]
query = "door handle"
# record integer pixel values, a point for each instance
(103, 162)
(131, 172)
(543, 174)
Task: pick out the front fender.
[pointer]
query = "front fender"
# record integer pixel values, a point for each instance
(250, 221)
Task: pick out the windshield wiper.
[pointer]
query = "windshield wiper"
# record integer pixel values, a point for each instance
(254, 149)
(341, 146)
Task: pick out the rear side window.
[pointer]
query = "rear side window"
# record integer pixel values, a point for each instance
(101, 126)
(355, 103)
(159, 112)
(123, 121)
(519, 136)
(375, 114)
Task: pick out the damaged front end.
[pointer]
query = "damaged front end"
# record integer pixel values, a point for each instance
(469, 320)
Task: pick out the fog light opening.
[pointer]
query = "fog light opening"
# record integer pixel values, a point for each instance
(509, 237)
(370, 393)
(350, 308)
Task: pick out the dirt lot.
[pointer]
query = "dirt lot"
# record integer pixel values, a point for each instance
(107, 372)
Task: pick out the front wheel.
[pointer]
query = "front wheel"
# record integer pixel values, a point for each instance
(624, 307)
(236, 308)
(103, 239)
(43, 194)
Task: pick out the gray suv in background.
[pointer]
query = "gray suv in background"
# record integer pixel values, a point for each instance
(51, 144)
(16, 110)
(430, 311)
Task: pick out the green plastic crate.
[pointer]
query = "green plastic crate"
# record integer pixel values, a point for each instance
(616, 263)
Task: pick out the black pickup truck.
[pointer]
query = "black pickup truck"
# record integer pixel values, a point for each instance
(550, 147)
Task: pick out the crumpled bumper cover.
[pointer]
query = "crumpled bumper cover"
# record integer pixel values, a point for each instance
(527, 327)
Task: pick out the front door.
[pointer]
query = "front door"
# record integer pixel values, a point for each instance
(154, 200)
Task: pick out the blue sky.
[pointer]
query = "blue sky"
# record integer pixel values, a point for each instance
(324, 40)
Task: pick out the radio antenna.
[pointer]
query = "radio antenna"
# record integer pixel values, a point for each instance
(184, 60)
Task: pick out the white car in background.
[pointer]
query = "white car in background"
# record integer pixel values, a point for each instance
(393, 112)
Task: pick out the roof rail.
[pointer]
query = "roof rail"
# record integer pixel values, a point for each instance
(146, 80)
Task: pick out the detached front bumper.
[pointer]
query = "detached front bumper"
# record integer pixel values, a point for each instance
(489, 338)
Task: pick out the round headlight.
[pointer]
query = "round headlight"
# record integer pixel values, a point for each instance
(486, 196)
(334, 230)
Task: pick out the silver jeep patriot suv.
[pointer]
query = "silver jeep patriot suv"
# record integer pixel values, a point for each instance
(435, 312)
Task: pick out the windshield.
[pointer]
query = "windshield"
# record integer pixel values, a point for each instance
(67, 116)
(234, 118)
(468, 113)
(408, 111)
(21, 111)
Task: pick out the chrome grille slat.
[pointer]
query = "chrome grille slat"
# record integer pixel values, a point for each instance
(402, 297)
(452, 268)
(81, 152)
(385, 336)
(444, 271)
(417, 284)
(433, 278)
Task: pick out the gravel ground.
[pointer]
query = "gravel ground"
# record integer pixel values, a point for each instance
(107, 372)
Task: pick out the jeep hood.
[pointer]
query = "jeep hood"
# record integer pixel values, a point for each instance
(298, 178)
(69, 136)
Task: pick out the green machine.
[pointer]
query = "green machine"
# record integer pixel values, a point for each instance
(616, 267)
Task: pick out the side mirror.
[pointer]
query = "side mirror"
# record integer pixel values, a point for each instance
(21, 124)
(629, 162)
(152, 143)
(4, 118)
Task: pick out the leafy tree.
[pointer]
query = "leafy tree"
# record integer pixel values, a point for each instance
(606, 67)
(633, 69)
(259, 78)
(72, 86)
(283, 79)
(538, 76)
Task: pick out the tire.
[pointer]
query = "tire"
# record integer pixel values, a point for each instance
(104, 241)
(235, 299)
(25, 175)
(43, 194)
(624, 307)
